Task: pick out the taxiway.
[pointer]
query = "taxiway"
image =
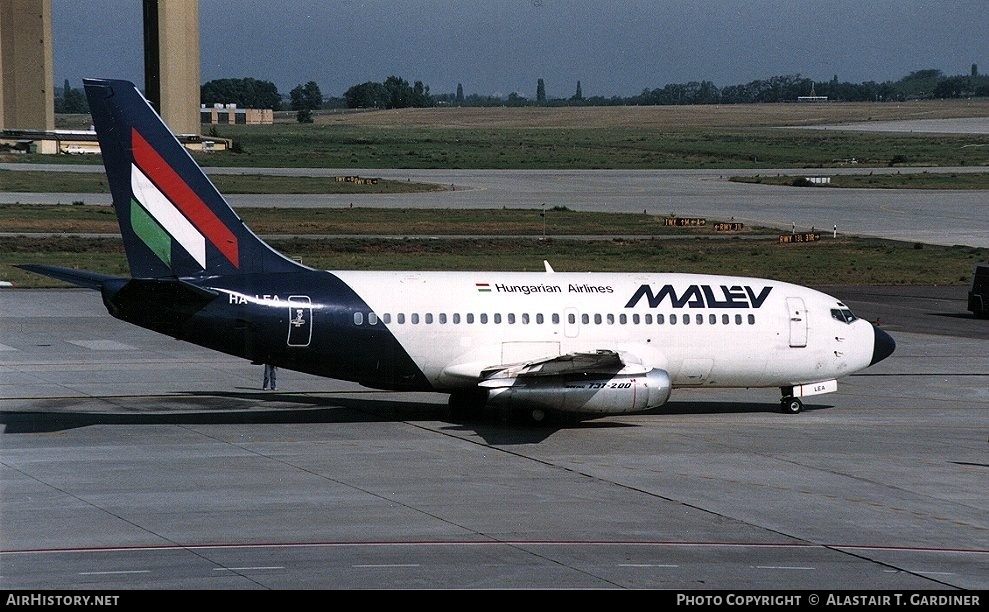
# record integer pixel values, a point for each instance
(130, 460)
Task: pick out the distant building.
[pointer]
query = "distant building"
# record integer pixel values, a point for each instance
(231, 115)
(80, 142)
(49, 142)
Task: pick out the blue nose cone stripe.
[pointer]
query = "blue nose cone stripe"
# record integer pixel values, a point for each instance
(883, 347)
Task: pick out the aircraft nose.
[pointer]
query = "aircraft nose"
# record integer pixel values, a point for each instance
(883, 346)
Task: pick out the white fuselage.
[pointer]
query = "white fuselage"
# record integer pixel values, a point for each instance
(703, 330)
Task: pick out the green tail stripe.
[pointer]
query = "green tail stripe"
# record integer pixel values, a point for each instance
(148, 230)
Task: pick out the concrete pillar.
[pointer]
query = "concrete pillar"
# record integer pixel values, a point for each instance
(27, 97)
(172, 62)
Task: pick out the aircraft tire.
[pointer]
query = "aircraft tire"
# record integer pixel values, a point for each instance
(463, 403)
(791, 405)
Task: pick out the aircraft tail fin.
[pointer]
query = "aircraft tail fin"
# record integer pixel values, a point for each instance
(173, 220)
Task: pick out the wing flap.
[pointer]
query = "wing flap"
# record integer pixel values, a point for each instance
(600, 361)
(604, 362)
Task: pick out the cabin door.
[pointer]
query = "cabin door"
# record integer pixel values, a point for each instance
(798, 322)
(299, 320)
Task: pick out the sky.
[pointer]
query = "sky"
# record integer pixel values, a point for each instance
(497, 47)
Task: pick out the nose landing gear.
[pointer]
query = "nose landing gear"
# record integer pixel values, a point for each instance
(790, 404)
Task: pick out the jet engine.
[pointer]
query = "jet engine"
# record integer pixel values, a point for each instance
(591, 394)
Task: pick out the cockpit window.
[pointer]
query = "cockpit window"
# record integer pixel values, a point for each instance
(842, 314)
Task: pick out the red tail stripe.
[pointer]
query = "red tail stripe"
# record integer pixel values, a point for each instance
(180, 194)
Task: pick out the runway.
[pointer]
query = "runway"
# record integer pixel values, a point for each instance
(133, 461)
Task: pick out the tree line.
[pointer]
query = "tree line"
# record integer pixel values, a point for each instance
(396, 92)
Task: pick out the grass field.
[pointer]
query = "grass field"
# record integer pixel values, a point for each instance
(753, 252)
(713, 136)
(692, 118)
(622, 147)
(64, 218)
(78, 182)
(625, 137)
(922, 180)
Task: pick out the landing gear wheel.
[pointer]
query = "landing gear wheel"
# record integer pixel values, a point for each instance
(536, 417)
(791, 405)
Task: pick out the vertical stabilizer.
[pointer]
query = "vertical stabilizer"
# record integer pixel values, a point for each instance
(173, 220)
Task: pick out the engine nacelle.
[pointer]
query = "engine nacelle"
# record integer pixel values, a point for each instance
(593, 394)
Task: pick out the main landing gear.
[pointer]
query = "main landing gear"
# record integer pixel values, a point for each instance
(464, 403)
(790, 404)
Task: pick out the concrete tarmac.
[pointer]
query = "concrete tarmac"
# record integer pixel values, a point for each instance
(129, 460)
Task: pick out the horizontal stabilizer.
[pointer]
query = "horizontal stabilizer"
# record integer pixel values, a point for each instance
(82, 278)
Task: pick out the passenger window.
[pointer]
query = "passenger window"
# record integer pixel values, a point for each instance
(511, 318)
(751, 319)
(700, 319)
(400, 317)
(372, 319)
(585, 319)
(713, 319)
(724, 319)
(358, 318)
(414, 318)
(738, 319)
(470, 317)
(686, 319)
(497, 318)
(622, 319)
(484, 318)
(429, 318)
(610, 318)
(635, 319)
(442, 318)
(648, 319)
(597, 319)
(673, 319)
(525, 318)
(660, 319)
(456, 318)
(539, 319)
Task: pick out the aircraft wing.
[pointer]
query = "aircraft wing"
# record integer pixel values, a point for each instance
(593, 363)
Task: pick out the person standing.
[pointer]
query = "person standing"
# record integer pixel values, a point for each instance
(270, 373)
